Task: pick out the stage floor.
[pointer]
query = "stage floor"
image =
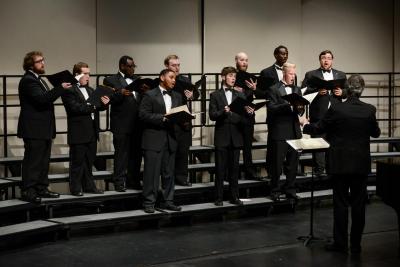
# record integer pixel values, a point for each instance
(251, 241)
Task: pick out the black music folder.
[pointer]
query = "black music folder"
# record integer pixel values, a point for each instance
(238, 105)
(181, 85)
(179, 114)
(296, 99)
(58, 78)
(319, 83)
(258, 105)
(137, 84)
(101, 90)
(242, 77)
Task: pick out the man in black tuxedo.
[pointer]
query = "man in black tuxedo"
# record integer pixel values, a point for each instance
(272, 74)
(283, 124)
(83, 131)
(159, 143)
(125, 126)
(348, 127)
(323, 100)
(228, 138)
(184, 131)
(37, 127)
(246, 84)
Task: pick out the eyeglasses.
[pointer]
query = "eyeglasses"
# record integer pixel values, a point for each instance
(39, 61)
(131, 66)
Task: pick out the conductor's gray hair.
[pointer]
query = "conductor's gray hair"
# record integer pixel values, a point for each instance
(355, 85)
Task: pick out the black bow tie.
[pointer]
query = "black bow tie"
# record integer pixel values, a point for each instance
(164, 92)
(278, 68)
(228, 89)
(326, 71)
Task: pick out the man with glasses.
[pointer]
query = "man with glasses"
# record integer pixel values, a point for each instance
(37, 127)
(323, 100)
(125, 126)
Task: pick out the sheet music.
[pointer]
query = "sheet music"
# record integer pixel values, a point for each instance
(310, 97)
(308, 144)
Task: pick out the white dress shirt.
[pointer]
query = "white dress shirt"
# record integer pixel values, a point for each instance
(279, 72)
(167, 99)
(228, 95)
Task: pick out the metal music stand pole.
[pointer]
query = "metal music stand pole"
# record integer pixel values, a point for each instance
(311, 144)
(310, 237)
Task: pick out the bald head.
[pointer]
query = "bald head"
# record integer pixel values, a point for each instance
(242, 61)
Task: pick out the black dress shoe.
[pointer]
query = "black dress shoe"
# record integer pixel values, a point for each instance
(48, 194)
(218, 203)
(95, 191)
(185, 183)
(237, 202)
(149, 209)
(292, 196)
(32, 198)
(120, 188)
(170, 206)
(335, 248)
(77, 194)
(275, 196)
(136, 186)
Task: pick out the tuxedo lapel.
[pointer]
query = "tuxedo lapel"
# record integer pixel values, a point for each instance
(223, 97)
(275, 73)
(335, 74)
(319, 74)
(282, 90)
(174, 100)
(122, 81)
(160, 100)
(79, 92)
(234, 95)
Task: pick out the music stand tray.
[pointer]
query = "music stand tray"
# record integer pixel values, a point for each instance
(313, 145)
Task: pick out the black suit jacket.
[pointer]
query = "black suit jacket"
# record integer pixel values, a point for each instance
(283, 121)
(348, 127)
(321, 102)
(268, 77)
(227, 125)
(36, 119)
(81, 127)
(185, 79)
(241, 77)
(124, 109)
(156, 132)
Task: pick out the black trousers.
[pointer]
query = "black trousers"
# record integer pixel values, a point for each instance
(184, 139)
(35, 165)
(156, 164)
(319, 159)
(248, 132)
(127, 159)
(227, 166)
(277, 152)
(342, 199)
(82, 157)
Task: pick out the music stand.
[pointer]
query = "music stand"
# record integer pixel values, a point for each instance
(314, 145)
